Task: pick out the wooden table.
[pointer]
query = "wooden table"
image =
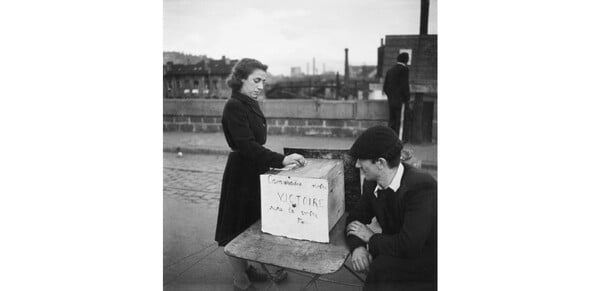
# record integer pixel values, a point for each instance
(301, 255)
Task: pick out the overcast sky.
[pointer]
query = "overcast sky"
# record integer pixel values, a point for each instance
(284, 34)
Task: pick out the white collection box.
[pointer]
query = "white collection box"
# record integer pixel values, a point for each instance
(304, 202)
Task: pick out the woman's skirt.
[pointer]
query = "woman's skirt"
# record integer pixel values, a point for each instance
(239, 205)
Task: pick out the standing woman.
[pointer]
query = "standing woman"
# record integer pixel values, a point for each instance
(245, 129)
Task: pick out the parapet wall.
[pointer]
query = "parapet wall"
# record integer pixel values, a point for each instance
(293, 117)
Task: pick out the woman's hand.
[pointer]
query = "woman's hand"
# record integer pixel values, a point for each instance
(294, 159)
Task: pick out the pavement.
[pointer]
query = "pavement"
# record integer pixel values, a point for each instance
(191, 258)
(191, 190)
(425, 155)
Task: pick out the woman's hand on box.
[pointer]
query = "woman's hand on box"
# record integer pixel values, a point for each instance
(294, 159)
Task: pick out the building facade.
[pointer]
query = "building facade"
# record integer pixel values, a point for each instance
(296, 72)
(206, 79)
(363, 72)
(422, 50)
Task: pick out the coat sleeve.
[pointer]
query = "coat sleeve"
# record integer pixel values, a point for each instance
(362, 212)
(386, 85)
(238, 124)
(404, 85)
(417, 226)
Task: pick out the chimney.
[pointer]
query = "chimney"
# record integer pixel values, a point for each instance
(380, 51)
(314, 69)
(206, 63)
(424, 17)
(346, 68)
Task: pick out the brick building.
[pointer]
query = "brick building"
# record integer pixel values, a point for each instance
(206, 79)
(296, 72)
(422, 50)
(362, 72)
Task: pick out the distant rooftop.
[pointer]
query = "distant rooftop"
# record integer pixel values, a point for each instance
(216, 67)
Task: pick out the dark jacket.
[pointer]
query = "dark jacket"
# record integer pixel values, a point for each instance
(396, 85)
(407, 217)
(245, 129)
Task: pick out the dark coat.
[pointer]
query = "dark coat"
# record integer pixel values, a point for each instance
(245, 129)
(408, 218)
(396, 86)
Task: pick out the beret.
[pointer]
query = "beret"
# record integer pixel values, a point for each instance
(376, 142)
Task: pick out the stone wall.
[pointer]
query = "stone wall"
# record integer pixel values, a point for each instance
(292, 117)
(423, 67)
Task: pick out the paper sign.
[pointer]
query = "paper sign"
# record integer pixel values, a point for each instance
(295, 207)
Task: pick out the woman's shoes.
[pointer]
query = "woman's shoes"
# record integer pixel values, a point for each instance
(256, 276)
(280, 275)
(249, 288)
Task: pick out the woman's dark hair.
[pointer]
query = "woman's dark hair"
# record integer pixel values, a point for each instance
(241, 71)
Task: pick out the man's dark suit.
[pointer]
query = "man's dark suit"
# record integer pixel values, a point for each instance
(397, 90)
(406, 251)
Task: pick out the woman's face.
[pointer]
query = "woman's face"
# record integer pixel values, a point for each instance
(254, 84)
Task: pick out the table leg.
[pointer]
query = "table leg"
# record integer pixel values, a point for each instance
(312, 281)
(267, 271)
(271, 278)
(354, 273)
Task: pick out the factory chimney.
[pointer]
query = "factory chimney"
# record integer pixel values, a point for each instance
(346, 68)
(424, 17)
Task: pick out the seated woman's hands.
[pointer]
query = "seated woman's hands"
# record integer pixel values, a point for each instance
(294, 159)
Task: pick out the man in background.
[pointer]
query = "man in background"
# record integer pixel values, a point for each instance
(397, 90)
